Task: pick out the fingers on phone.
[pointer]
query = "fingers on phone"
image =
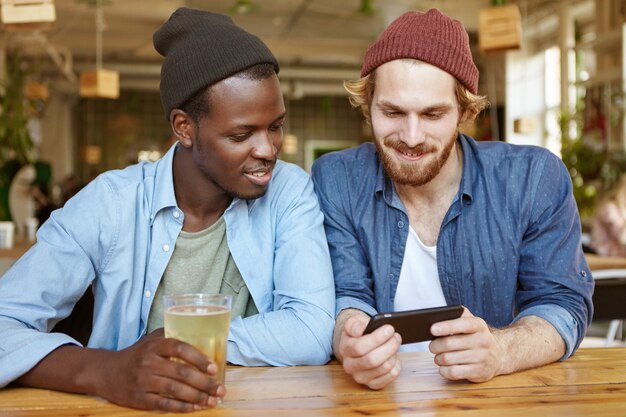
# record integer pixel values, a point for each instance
(463, 325)
(363, 345)
(380, 376)
(369, 353)
(355, 326)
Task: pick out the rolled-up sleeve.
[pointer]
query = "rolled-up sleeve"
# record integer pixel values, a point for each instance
(42, 287)
(554, 279)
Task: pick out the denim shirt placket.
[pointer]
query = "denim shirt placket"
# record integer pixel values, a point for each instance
(398, 233)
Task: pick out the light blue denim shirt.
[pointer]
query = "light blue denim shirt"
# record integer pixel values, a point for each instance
(117, 235)
(509, 245)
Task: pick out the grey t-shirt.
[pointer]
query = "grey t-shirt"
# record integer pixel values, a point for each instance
(202, 263)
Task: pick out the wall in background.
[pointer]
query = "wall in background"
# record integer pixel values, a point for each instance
(111, 134)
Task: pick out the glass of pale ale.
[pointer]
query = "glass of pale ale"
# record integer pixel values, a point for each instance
(202, 320)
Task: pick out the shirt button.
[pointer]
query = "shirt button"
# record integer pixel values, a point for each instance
(400, 224)
(583, 273)
(148, 293)
(176, 214)
(166, 248)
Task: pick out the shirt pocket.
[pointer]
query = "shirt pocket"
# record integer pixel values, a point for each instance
(233, 283)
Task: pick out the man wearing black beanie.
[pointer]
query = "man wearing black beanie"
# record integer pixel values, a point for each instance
(217, 214)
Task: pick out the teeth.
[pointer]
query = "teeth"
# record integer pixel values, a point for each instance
(258, 174)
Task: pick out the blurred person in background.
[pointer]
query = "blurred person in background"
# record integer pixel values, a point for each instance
(608, 227)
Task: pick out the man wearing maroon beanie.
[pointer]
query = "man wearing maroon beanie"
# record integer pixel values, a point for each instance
(427, 217)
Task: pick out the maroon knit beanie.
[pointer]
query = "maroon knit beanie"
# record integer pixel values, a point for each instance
(430, 37)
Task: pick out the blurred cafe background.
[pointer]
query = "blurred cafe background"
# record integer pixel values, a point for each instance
(79, 86)
(81, 80)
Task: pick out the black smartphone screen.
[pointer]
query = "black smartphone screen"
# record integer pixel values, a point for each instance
(414, 325)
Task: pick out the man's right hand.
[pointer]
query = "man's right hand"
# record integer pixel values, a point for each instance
(141, 376)
(370, 359)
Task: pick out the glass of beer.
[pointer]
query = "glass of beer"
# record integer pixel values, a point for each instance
(202, 320)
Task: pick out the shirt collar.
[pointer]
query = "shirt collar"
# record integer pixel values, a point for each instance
(164, 195)
(469, 167)
(385, 187)
(381, 177)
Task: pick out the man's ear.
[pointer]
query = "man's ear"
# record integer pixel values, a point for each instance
(183, 127)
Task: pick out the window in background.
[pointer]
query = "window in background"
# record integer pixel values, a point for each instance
(552, 69)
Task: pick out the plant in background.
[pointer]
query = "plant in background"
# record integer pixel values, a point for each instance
(16, 145)
(593, 165)
(594, 169)
(15, 140)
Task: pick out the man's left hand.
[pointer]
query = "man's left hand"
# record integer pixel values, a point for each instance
(465, 348)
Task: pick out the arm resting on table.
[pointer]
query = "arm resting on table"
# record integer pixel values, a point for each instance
(528, 343)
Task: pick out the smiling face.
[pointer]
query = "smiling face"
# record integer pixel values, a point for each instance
(415, 118)
(234, 147)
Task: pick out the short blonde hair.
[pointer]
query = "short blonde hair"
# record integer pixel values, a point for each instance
(362, 91)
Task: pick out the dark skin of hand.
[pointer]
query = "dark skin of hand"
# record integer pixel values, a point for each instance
(141, 376)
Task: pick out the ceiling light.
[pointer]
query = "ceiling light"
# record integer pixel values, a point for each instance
(31, 15)
(499, 28)
(99, 82)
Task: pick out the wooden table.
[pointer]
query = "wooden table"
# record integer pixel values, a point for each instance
(9, 256)
(609, 296)
(20, 246)
(591, 383)
(597, 262)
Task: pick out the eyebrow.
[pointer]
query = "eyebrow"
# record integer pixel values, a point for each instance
(279, 118)
(282, 116)
(432, 108)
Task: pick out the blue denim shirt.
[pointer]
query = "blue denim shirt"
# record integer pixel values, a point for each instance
(117, 235)
(509, 245)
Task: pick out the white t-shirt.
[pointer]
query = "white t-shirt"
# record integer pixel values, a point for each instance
(419, 285)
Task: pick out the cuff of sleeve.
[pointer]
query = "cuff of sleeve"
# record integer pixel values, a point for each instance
(344, 303)
(17, 362)
(561, 320)
(241, 351)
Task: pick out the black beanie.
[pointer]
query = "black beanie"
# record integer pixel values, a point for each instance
(200, 49)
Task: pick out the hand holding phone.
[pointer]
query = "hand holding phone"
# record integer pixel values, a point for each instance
(414, 325)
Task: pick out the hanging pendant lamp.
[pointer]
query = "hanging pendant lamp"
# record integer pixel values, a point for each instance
(27, 14)
(499, 27)
(99, 83)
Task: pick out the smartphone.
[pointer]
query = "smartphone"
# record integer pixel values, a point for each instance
(414, 325)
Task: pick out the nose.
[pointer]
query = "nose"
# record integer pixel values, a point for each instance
(264, 147)
(413, 131)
